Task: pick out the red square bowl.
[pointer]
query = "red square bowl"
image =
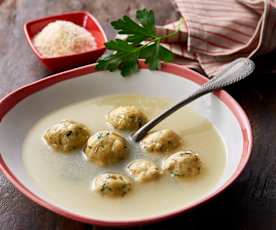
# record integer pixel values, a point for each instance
(81, 18)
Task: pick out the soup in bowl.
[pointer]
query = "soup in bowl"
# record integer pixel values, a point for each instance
(66, 144)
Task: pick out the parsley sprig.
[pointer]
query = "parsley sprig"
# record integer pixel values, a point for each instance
(141, 42)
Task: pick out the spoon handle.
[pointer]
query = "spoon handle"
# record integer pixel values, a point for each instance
(232, 73)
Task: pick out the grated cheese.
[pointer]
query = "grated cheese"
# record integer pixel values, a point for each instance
(61, 38)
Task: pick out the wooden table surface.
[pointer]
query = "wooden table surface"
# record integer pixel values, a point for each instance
(249, 204)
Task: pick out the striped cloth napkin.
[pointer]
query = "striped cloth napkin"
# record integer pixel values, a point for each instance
(213, 33)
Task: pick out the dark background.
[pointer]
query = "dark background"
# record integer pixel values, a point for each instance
(249, 204)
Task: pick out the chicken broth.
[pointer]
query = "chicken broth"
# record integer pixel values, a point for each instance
(67, 177)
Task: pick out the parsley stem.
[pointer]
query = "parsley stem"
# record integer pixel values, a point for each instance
(168, 35)
(175, 32)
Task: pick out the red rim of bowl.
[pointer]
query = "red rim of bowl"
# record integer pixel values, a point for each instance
(58, 15)
(13, 98)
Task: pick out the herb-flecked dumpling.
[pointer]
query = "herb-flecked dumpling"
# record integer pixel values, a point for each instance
(127, 118)
(67, 135)
(112, 184)
(183, 164)
(106, 147)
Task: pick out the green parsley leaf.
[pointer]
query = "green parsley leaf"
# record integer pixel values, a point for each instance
(141, 42)
(146, 18)
(124, 57)
(137, 32)
(165, 54)
(151, 55)
(130, 66)
(119, 45)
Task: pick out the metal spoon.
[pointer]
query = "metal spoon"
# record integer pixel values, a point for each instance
(232, 73)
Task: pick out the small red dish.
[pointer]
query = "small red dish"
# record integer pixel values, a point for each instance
(81, 18)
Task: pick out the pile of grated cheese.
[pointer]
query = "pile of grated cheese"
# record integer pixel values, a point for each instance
(61, 38)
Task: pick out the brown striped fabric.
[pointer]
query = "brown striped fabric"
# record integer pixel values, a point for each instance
(213, 33)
